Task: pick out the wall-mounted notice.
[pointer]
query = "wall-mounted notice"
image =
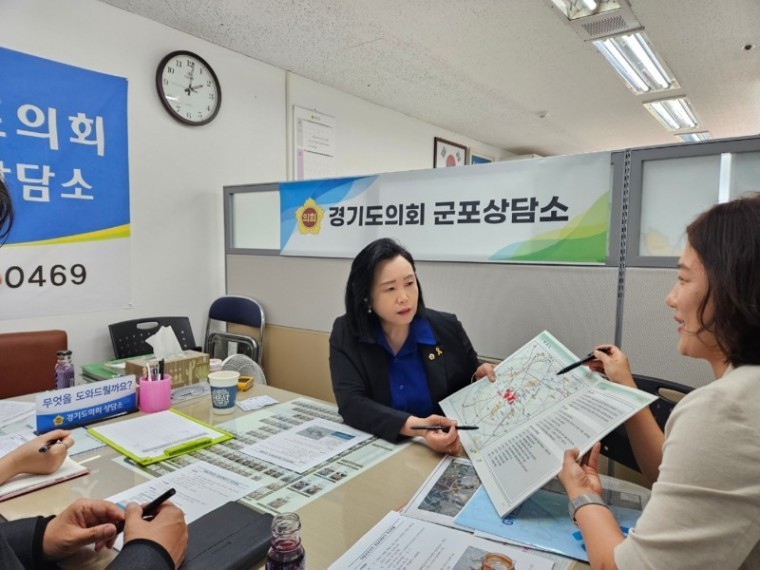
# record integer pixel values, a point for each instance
(313, 144)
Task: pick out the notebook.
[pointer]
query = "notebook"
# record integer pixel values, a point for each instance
(232, 537)
(26, 483)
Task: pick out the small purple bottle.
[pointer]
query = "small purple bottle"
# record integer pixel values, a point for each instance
(64, 370)
(286, 551)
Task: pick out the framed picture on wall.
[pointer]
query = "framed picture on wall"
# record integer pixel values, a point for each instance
(447, 153)
(476, 158)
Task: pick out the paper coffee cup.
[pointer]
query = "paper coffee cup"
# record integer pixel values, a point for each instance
(223, 390)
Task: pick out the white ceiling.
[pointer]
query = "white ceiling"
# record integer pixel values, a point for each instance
(506, 72)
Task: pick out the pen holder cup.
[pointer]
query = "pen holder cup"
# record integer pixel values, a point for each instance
(223, 390)
(155, 395)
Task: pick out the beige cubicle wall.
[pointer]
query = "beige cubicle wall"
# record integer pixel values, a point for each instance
(297, 360)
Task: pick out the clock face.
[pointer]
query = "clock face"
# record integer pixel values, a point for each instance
(188, 88)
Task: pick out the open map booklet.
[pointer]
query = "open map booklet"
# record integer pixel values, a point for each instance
(453, 496)
(530, 416)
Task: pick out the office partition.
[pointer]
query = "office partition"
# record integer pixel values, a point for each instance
(502, 305)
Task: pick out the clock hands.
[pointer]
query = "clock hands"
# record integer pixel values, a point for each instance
(189, 75)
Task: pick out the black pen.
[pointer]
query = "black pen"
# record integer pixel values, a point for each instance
(49, 444)
(150, 510)
(588, 358)
(444, 429)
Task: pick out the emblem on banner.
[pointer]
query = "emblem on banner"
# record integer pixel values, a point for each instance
(309, 217)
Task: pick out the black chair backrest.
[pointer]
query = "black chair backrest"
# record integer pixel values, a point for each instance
(616, 445)
(237, 309)
(128, 337)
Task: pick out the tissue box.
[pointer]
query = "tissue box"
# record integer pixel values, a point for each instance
(190, 367)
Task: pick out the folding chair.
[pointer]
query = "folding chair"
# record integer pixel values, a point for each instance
(224, 335)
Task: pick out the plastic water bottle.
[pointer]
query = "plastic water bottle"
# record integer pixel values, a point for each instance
(286, 551)
(64, 370)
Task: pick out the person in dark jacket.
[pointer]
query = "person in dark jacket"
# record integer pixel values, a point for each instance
(391, 359)
(39, 542)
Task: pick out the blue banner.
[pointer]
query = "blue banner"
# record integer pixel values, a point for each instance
(63, 149)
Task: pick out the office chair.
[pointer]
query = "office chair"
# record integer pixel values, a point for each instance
(616, 446)
(128, 337)
(235, 310)
(27, 361)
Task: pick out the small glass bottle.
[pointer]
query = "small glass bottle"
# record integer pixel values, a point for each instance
(286, 551)
(64, 370)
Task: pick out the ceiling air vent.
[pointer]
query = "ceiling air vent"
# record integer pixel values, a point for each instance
(606, 27)
(610, 17)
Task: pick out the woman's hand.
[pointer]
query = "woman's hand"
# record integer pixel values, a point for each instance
(437, 439)
(485, 369)
(583, 477)
(27, 458)
(613, 363)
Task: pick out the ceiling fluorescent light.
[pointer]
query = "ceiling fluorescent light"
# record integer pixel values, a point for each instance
(675, 114)
(636, 62)
(695, 137)
(590, 5)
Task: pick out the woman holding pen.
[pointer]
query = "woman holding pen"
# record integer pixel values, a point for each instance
(30, 457)
(704, 511)
(391, 359)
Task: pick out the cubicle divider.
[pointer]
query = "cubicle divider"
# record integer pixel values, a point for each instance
(503, 305)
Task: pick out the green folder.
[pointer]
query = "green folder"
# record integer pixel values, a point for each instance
(151, 438)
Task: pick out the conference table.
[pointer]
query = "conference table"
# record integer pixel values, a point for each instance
(331, 524)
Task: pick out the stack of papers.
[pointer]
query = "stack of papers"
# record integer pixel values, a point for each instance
(12, 412)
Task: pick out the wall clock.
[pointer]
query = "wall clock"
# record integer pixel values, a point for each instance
(188, 88)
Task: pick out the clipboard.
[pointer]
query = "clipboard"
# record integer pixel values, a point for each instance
(155, 437)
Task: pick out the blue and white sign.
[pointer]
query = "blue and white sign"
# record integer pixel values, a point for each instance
(64, 158)
(80, 405)
(544, 210)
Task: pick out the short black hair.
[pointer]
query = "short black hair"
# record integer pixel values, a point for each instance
(727, 240)
(6, 211)
(360, 280)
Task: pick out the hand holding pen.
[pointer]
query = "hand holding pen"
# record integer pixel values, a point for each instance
(27, 458)
(168, 527)
(588, 358)
(608, 360)
(437, 432)
(150, 510)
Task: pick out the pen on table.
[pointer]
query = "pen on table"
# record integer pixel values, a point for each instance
(160, 369)
(588, 358)
(444, 429)
(150, 510)
(50, 444)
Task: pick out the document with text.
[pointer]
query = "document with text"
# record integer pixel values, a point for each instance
(402, 543)
(305, 446)
(530, 415)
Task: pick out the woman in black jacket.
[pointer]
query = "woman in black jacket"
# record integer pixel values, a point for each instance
(391, 359)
